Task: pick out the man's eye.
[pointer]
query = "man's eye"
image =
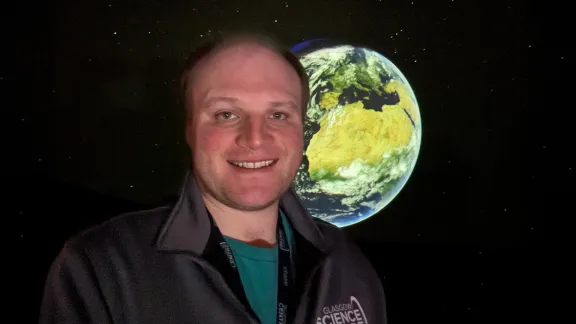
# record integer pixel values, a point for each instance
(226, 115)
(278, 115)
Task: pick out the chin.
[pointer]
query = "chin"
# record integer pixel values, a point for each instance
(254, 198)
(247, 204)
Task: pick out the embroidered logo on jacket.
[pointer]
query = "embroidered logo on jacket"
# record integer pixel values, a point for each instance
(343, 313)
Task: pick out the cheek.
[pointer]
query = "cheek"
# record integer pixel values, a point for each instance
(294, 142)
(210, 140)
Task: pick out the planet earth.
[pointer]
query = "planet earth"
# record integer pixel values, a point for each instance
(362, 132)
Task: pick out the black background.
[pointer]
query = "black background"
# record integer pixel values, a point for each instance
(94, 129)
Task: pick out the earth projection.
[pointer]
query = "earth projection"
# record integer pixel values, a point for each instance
(362, 132)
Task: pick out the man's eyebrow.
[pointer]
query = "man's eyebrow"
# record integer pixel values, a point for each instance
(214, 100)
(278, 104)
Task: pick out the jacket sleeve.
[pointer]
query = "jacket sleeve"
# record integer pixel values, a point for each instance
(71, 291)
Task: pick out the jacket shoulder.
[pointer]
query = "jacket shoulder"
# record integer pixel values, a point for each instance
(89, 264)
(332, 233)
(342, 247)
(136, 227)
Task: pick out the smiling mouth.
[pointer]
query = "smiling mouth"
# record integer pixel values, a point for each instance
(253, 165)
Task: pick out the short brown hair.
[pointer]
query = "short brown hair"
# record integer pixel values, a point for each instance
(225, 39)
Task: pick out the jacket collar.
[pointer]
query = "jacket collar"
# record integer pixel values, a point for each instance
(187, 228)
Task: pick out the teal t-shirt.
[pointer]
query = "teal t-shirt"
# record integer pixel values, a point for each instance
(258, 268)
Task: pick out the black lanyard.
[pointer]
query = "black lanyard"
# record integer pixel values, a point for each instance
(232, 275)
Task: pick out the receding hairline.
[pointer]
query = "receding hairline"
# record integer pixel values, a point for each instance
(208, 50)
(246, 44)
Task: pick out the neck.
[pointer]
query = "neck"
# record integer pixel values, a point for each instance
(257, 228)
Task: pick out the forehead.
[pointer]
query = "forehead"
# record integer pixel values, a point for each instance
(245, 69)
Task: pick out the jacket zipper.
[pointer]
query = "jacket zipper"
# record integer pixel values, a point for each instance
(239, 304)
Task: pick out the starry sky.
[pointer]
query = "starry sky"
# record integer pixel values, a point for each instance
(93, 90)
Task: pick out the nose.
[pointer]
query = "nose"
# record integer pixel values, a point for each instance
(252, 134)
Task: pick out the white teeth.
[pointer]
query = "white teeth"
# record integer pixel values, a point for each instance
(253, 165)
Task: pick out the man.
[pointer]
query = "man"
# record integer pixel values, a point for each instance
(238, 246)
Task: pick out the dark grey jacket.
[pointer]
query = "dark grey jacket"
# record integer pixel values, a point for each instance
(148, 267)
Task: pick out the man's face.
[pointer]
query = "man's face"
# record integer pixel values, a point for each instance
(245, 128)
